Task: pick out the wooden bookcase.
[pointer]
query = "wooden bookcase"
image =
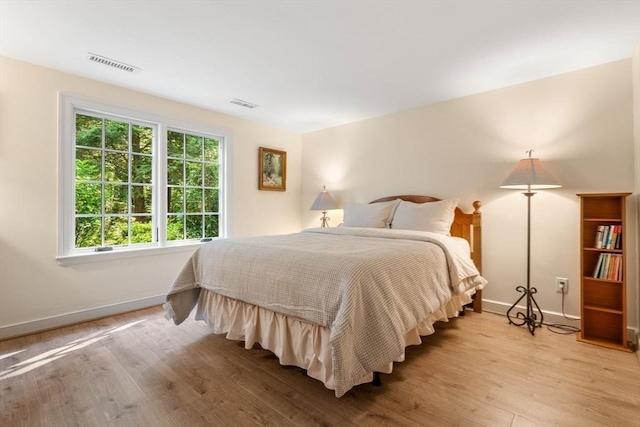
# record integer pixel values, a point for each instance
(603, 302)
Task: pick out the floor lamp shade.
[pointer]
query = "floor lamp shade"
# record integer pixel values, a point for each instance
(530, 174)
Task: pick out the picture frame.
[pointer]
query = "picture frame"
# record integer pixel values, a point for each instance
(272, 169)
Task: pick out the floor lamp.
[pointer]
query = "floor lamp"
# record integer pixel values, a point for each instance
(529, 174)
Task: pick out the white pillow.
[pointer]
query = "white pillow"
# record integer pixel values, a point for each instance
(375, 215)
(435, 217)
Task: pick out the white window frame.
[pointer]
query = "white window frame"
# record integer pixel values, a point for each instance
(70, 104)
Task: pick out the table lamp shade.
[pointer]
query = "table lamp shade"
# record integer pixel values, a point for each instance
(324, 202)
(530, 174)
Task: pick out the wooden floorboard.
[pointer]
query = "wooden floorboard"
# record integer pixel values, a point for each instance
(138, 369)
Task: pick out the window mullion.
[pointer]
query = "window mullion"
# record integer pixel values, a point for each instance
(184, 186)
(203, 199)
(130, 183)
(159, 178)
(103, 222)
(223, 146)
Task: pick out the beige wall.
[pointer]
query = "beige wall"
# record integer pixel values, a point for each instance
(33, 285)
(580, 125)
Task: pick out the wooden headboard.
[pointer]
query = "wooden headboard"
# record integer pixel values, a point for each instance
(465, 225)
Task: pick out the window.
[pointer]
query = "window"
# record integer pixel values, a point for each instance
(192, 186)
(113, 182)
(129, 180)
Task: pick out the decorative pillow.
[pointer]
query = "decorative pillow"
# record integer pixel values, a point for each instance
(435, 217)
(374, 215)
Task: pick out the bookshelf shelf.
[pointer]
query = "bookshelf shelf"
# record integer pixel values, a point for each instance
(601, 280)
(603, 265)
(614, 251)
(604, 310)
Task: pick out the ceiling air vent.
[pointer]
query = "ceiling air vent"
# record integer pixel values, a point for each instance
(243, 103)
(112, 63)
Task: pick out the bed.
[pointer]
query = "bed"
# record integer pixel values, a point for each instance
(342, 302)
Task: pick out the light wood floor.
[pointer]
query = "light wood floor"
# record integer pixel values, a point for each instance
(476, 370)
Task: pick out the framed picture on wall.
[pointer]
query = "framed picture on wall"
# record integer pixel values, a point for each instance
(272, 166)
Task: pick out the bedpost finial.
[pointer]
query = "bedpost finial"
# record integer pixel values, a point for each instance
(476, 205)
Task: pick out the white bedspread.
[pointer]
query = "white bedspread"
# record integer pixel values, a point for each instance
(368, 286)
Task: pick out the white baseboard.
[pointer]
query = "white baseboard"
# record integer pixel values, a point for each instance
(44, 324)
(550, 317)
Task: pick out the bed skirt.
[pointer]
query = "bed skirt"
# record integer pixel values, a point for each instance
(296, 342)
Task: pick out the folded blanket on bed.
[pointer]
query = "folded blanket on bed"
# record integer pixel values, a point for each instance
(369, 286)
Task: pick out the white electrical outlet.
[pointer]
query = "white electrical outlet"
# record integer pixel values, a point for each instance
(562, 285)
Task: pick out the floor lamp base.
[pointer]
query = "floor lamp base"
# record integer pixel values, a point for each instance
(530, 318)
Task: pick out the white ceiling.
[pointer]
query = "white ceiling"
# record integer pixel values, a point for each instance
(310, 65)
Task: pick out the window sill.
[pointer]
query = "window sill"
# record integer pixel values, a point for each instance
(89, 257)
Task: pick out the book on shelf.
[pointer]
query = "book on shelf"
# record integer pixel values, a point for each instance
(618, 242)
(618, 276)
(618, 271)
(613, 268)
(603, 238)
(613, 235)
(596, 270)
(605, 267)
(608, 267)
(598, 242)
(608, 237)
